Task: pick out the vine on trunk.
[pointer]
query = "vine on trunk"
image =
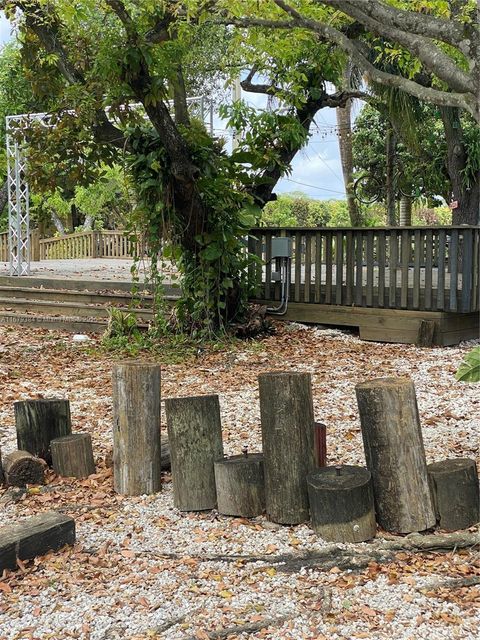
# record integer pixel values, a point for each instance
(214, 273)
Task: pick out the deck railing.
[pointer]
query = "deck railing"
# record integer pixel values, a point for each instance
(34, 246)
(88, 244)
(418, 268)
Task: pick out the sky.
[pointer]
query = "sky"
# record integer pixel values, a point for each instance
(316, 171)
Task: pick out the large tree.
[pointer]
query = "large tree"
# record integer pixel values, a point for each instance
(115, 53)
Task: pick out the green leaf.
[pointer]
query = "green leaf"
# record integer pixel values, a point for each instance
(212, 252)
(469, 370)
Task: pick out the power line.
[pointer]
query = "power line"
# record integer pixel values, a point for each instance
(313, 186)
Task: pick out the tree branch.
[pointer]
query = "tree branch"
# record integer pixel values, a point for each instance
(447, 31)
(467, 101)
(248, 85)
(431, 56)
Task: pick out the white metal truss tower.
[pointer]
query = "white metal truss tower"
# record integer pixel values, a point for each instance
(18, 191)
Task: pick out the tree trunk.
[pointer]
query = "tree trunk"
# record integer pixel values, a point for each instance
(59, 226)
(467, 196)
(390, 152)
(455, 492)
(136, 428)
(240, 485)
(38, 422)
(405, 211)
(88, 222)
(72, 456)
(344, 123)
(195, 437)
(341, 503)
(395, 454)
(21, 468)
(286, 409)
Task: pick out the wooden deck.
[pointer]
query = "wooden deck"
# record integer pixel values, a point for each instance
(384, 281)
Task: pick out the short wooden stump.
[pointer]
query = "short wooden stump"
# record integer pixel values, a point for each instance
(455, 491)
(341, 503)
(240, 485)
(72, 456)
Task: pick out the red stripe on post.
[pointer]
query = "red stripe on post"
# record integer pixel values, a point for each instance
(320, 443)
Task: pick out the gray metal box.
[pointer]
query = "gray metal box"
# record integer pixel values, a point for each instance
(281, 247)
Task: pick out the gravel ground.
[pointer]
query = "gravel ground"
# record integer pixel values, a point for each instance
(141, 569)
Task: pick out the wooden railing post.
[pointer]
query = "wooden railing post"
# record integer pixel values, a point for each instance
(96, 244)
(35, 245)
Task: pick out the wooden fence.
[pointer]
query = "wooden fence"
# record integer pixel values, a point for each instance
(34, 246)
(88, 244)
(417, 268)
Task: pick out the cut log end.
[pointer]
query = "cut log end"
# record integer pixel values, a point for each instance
(21, 468)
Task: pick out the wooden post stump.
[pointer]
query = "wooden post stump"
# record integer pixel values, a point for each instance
(341, 503)
(395, 454)
(73, 455)
(455, 492)
(240, 485)
(195, 438)
(2, 478)
(38, 422)
(21, 468)
(136, 428)
(286, 409)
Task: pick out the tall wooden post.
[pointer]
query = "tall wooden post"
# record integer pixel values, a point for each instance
(286, 409)
(195, 438)
(395, 454)
(136, 428)
(38, 422)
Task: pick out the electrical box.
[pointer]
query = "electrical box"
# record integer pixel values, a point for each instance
(281, 247)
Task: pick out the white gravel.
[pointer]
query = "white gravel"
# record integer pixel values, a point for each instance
(115, 583)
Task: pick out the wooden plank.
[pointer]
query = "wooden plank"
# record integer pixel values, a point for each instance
(338, 266)
(298, 266)
(369, 259)
(349, 249)
(441, 268)
(392, 268)
(359, 268)
(428, 269)
(467, 269)
(453, 264)
(405, 258)
(308, 266)
(418, 260)
(38, 535)
(399, 336)
(318, 266)
(381, 253)
(328, 267)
